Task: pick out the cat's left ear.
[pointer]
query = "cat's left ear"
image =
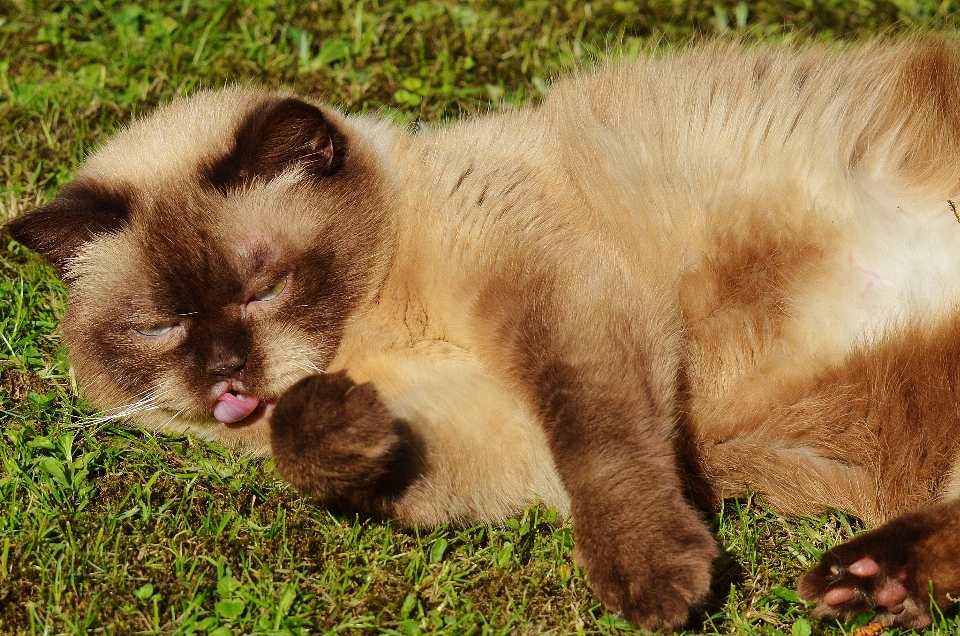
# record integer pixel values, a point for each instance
(278, 134)
(59, 229)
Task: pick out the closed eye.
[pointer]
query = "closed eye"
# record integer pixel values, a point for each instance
(159, 329)
(271, 292)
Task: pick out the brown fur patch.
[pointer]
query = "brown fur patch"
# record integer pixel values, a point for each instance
(920, 109)
(735, 305)
(276, 135)
(334, 440)
(82, 210)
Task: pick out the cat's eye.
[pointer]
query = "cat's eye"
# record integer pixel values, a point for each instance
(159, 329)
(271, 292)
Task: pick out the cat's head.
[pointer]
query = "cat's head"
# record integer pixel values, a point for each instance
(213, 253)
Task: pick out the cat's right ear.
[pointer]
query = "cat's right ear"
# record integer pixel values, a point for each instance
(59, 229)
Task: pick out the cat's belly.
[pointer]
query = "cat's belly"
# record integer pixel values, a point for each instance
(897, 265)
(769, 311)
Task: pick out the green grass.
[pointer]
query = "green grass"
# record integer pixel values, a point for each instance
(114, 530)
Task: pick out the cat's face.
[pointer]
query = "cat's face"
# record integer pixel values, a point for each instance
(213, 254)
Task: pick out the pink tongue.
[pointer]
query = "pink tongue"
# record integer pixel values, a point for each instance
(232, 408)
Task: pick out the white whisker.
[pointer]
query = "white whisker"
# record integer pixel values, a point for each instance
(174, 416)
(148, 400)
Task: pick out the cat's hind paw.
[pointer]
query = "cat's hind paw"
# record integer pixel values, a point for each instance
(844, 588)
(891, 595)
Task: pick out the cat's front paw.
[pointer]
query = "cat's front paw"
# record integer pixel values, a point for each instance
(891, 570)
(334, 439)
(652, 576)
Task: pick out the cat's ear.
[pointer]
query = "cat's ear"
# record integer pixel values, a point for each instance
(277, 135)
(59, 229)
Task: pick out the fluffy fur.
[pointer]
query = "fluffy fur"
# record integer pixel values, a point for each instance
(713, 269)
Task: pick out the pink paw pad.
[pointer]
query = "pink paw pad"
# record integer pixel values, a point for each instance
(865, 567)
(891, 596)
(838, 596)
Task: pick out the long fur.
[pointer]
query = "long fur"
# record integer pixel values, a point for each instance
(707, 270)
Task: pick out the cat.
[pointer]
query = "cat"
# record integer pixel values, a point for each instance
(674, 278)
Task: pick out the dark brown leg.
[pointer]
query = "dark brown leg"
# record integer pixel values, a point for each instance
(646, 550)
(602, 380)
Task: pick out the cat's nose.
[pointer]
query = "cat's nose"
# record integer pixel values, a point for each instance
(226, 365)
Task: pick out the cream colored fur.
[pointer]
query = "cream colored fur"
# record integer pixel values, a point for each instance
(622, 182)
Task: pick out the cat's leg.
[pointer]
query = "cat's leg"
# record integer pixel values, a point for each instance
(646, 550)
(794, 478)
(754, 413)
(892, 570)
(604, 385)
(873, 435)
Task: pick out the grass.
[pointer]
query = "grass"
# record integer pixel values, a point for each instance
(108, 529)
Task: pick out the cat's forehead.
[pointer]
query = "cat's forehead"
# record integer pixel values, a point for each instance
(174, 142)
(157, 174)
(196, 244)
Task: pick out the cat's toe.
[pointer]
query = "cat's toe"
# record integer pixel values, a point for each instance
(839, 596)
(892, 596)
(865, 566)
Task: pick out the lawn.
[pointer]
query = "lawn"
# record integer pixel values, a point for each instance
(109, 529)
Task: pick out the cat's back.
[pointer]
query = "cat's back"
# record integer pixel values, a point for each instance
(723, 119)
(828, 169)
(663, 142)
(727, 152)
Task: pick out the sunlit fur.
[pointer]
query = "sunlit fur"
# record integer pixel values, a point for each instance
(758, 244)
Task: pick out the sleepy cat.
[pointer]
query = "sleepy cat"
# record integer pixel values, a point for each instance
(718, 268)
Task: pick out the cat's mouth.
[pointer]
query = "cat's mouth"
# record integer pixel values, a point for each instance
(236, 409)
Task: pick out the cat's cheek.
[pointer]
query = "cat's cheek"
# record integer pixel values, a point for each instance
(286, 354)
(114, 367)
